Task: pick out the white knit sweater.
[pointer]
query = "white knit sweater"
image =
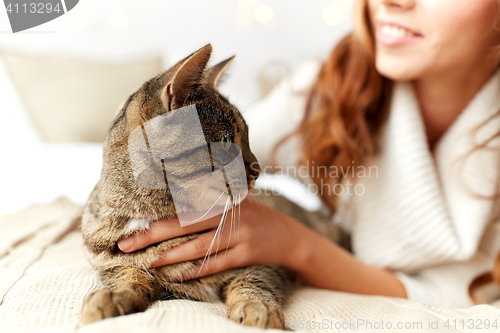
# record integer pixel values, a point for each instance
(418, 214)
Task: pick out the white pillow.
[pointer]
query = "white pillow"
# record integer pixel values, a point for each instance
(17, 126)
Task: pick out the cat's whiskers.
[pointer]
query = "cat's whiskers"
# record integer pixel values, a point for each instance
(249, 104)
(231, 226)
(176, 202)
(208, 211)
(223, 225)
(207, 255)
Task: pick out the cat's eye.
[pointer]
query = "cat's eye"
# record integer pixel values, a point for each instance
(226, 142)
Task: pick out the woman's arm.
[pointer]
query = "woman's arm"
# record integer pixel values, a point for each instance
(323, 264)
(267, 236)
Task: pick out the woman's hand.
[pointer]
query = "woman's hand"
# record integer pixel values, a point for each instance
(262, 235)
(267, 236)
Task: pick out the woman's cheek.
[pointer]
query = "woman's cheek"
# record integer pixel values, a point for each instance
(459, 27)
(469, 22)
(447, 52)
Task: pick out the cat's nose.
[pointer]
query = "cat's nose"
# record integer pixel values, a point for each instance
(253, 177)
(253, 170)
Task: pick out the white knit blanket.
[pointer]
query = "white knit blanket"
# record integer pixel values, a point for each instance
(44, 278)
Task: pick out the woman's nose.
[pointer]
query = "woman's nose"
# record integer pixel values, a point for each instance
(403, 4)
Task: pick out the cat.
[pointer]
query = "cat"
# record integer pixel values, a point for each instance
(255, 295)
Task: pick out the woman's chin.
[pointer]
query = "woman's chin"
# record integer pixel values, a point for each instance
(396, 73)
(397, 76)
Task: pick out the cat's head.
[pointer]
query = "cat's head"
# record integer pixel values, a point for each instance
(188, 85)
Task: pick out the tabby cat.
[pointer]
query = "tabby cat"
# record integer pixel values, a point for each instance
(254, 295)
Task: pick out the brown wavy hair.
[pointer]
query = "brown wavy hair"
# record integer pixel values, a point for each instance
(346, 108)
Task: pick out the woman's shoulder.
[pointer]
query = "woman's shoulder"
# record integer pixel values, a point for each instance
(280, 112)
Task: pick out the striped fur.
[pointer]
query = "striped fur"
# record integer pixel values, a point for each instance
(254, 295)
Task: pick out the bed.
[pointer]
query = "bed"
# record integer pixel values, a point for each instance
(44, 275)
(44, 278)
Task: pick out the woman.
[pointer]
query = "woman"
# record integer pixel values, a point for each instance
(413, 91)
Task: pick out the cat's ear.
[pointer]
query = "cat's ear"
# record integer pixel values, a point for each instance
(213, 74)
(182, 78)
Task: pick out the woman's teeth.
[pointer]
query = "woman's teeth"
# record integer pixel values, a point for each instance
(393, 31)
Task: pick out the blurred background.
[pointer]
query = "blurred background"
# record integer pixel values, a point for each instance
(62, 82)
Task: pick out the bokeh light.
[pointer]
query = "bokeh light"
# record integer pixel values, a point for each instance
(332, 15)
(247, 4)
(263, 13)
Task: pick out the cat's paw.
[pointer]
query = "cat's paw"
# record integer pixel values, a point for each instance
(108, 303)
(258, 313)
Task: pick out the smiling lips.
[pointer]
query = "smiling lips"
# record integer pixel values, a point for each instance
(392, 34)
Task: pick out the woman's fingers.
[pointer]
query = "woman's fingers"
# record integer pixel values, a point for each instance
(164, 229)
(154, 234)
(213, 265)
(209, 242)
